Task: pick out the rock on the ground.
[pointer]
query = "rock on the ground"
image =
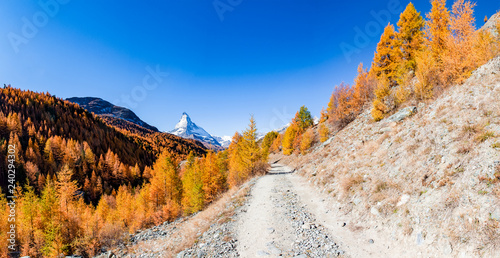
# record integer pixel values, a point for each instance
(402, 114)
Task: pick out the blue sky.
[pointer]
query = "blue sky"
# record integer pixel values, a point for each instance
(220, 61)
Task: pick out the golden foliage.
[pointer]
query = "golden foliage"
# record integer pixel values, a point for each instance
(381, 102)
(427, 74)
(459, 57)
(387, 56)
(324, 132)
(410, 37)
(438, 30)
(276, 145)
(288, 139)
(306, 141)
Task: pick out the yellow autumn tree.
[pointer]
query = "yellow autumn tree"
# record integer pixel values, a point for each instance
(387, 56)
(362, 90)
(410, 37)
(237, 169)
(340, 105)
(438, 31)
(251, 153)
(267, 142)
(381, 103)
(50, 216)
(460, 57)
(125, 210)
(166, 187)
(289, 138)
(193, 195)
(29, 223)
(276, 145)
(213, 178)
(245, 156)
(324, 132)
(306, 141)
(4, 222)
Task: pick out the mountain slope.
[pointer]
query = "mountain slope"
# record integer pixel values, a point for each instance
(431, 181)
(51, 133)
(130, 124)
(102, 107)
(224, 141)
(186, 128)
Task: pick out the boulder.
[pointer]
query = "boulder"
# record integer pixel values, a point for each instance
(402, 114)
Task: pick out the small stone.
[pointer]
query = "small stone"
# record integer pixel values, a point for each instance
(344, 224)
(420, 238)
(181, 254)
(275, 250)
(446, 247)
(495, 214)
(403, 200)
(262, 253)
(375, 211)
(371, 241)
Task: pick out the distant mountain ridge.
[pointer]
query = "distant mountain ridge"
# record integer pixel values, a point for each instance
(127, 122)
(224, 141)
(104, 108)
(186, 128)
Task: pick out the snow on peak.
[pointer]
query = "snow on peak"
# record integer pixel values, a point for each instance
(224, 141)
(185, 122)
(188, 129)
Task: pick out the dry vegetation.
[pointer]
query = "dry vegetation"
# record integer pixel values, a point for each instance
(189, 230)
(445, 158)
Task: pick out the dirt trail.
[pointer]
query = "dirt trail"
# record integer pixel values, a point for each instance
(275, 222)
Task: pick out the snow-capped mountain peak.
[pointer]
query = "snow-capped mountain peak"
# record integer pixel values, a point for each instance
(185, 122)
(186, 128)
(224, 141)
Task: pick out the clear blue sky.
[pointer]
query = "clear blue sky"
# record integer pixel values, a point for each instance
(261, 57)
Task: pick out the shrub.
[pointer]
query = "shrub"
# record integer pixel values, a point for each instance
(306, 142)
(482, 137)
(381, 103)
(348, 182)
(324, 132)
(378, 110)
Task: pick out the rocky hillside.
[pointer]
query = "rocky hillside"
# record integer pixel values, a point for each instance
(113, 113)
(428, 177)
(491, 24)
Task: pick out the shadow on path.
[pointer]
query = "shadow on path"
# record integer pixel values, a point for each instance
(277, 169)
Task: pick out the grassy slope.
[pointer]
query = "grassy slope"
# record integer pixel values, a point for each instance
(443, 158)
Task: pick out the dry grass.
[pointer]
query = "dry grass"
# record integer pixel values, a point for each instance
(189, 231)
(477, 132)
(406, 227)
(452, 200)
(484, 136)
(349, 182)
(202, 221)
(464, 148)
(469, 130)
(456, 137)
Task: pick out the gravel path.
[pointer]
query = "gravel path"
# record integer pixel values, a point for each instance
(275, 222)
(273, 218)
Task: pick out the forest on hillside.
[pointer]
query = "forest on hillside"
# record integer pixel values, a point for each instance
(84, 182)
(413, 62)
